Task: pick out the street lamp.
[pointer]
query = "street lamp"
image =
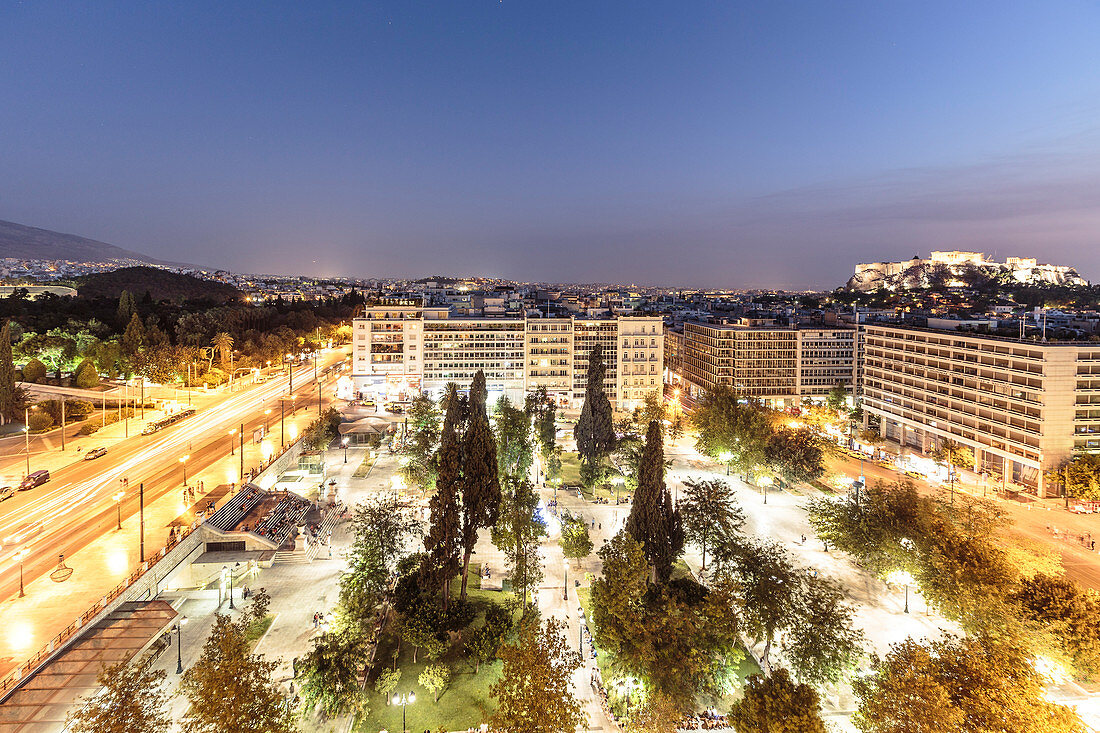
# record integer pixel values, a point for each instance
(231, 572)
(618, 481)
(404, 700)
(20, 555)
(565, 586)
(232, 442)
(118, 504)
(765, 482)
(580, 631)
(725, 457)
(178, 628)
(267, 416)
(183, 460)
(345, 442)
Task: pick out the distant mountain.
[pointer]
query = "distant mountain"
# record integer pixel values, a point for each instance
(160, 284)
(31, 243)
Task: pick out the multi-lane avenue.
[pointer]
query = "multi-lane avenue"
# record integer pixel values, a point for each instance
(78, 504)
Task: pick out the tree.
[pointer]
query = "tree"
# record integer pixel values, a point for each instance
(575, 542)
(419, 447)
(481, 643)
(659, 714)
(443, 541)
(435, 678)
(223, 343)
(328, 676)
(230, 689)
(513, 433)
(968, 685)
(777, 704)
(381, 531)
(730, 430)
(133, 700)
(952, 455)
(34, 371)
(387, 682)
(131, 344)
(595, 430)
(480, 481)
(795, 455)
(7, 375)
(420, 626)
(653, 521)
(86, 375)
(518, 533)
(1069, 614)
(533, 693)
(126, 308)
(837, 399)
(1079, 477)
(653, 407)
(710, 514)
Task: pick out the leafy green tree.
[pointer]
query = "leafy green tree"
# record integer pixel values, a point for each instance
(481, 643)
(7, 375)
(126, 308)
(518, 533)
(595, 430)
(575, 541)
(387, 682)
(837, 399)
(795, 455)
(86, 375)
(731, 430)
(421, 627)
(480, 481)
(968, 685)
(653, 521)
(950, 454)
(443, 541)
(658, 714)
(534, 691)
(513, 433)
(710, 514)
(419, 448)
(1079, 477)
(328, 677)
(435, 678)
(230, 689)
(133, 700)
(546, 427)
(679, 637)
(1069, 614)
(34, 371)
(131, 344)
(777, 704)
(653, 407)
(382, 531)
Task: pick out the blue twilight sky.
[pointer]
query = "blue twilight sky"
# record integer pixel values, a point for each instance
(692, 142)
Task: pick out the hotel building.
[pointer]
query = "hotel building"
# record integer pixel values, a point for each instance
(402, 349)
(1022, 406)
(779, 365)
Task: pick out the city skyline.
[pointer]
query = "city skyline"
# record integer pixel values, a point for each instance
(704, 146)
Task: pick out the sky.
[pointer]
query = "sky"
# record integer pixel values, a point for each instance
(695, 143)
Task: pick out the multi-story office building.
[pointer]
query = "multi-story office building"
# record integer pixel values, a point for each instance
(402, 349)
(780, 365)
(1022, 406)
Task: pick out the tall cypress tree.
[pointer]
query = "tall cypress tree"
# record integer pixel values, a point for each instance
(653, 521)
(595, 429)
(7, 375)
(480, 480)
(443, 540)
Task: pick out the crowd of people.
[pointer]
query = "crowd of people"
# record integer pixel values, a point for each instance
(287, 514)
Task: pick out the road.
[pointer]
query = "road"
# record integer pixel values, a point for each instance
(77, 505)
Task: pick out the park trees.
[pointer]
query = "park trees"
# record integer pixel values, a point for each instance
(381, 531)
(8, 397)
(34, 371)
(950, 454)
(595, 430)
(420, 465)
(443, 539)
(229, 688)
(133, 700)
(480, 480)
(86, 375)
(794, 455)
(223, 344)
(678, 636)
(534, 691)
(575, 542)
(971, 685)
(1079, 477)
(328, 676)
(518, 532)
(777, 704)
(710, 514)
(1069, 614)
(732, 430)
(653, 520)
(435, 678)
(515, 452)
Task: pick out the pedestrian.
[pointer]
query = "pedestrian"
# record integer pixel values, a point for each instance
(803, 539)
(315, 615)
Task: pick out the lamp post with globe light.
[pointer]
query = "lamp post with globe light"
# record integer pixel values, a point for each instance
(404, 700)
(183, 460)
(178, 628)
(345, 442)
(21, 555)
(118, 505)
(726, 457)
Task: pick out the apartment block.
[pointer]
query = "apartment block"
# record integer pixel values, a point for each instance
(401, 350)
(780, 365)
(1021, 406)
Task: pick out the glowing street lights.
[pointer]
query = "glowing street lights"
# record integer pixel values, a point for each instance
(118, 505)
(565, 585)
(178, 628)
(20, 556)
(726, 457)
(404, 699)
(345, 442)
(267, 419)
(183, 460)
(765, 482)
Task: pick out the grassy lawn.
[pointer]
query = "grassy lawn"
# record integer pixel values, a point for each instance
(465, 703)
(364, 467)
(570, 469)
(258, 628)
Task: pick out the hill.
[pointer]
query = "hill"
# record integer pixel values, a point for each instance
(30, 243)
(160, 284)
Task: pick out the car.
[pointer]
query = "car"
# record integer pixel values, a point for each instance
(94, 453)
(35, 479)
(6, 492)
